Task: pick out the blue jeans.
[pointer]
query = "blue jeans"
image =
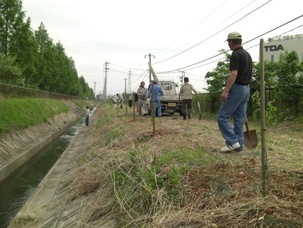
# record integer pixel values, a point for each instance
(236, 107)
(158, 106)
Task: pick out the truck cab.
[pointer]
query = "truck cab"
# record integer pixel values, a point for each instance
(170, 102)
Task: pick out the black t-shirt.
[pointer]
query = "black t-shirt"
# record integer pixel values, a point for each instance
(241, 61)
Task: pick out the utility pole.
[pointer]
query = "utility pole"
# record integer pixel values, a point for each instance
(182, 77)
(149, 60)
(95, 89)
(105, 80)
(152, 95)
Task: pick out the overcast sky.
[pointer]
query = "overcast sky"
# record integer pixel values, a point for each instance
(177, 33)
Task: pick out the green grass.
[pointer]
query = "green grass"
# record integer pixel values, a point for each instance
(17, 114)
(81, 103)
(185, 156)
(139, 183)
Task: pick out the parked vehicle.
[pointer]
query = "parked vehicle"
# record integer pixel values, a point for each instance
(170, 103)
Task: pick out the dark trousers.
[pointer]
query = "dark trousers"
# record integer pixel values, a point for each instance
(186, 107)
(87, 120)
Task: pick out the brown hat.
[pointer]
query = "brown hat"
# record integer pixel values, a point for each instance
(234, 36)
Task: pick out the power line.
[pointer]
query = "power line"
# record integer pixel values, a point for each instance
(205, 62)
(209, 58)
(221, 5)
(123, 72)
(213, 34)
(289, 31)
(217, 8)
(274, 28)
(181, 68)
(129, 68)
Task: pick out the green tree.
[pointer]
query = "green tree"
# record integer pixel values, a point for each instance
(16, 38)
(11, 19)
(289, 79)
(46, 57)
(66, 75)
(283, 88)
(25, 49)
(31, 58)
(9, 74)
(86, 91)
(216, 81)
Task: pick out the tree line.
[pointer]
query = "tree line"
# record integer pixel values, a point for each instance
(31, 59)
(283, 87)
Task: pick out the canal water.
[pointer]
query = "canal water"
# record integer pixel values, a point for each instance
(17, 188)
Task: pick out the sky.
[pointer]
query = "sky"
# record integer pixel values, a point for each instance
(183, 38)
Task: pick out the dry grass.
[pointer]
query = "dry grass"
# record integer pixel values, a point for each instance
(176, 178)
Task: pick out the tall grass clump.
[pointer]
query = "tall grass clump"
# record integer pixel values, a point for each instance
(145, 186)
(106, 123)
(105, 118)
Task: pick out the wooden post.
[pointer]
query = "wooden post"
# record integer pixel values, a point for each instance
(153, 108)
(134, 108)
(263, 127)
(126, 97)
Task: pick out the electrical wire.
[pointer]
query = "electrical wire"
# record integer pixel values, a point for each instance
(259, 7)
(204, 61)
(274, 29)
(210, 14)
(214, 56)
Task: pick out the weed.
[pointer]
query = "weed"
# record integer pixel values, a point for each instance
(24, 221)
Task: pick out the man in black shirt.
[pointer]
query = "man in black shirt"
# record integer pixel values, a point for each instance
(235, 95)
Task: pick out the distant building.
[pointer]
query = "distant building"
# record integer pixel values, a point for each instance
(274, 47)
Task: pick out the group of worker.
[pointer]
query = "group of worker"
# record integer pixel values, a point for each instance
(234, 96)
(156, 91)
(153, 92)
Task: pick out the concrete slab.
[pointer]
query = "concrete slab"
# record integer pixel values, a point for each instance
(48, 203)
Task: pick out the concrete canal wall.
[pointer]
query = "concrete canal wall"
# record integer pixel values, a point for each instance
(19, 147)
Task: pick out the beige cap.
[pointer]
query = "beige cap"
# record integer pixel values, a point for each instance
(234, 36)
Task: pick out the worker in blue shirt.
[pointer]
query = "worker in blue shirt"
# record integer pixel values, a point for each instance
(154, 93)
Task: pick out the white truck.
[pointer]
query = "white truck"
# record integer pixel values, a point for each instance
(170, 103)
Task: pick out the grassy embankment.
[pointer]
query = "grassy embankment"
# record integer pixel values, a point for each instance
(18, 114)
(176, 178)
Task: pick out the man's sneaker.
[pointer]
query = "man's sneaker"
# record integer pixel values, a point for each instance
(228, 148)
(239, 150)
